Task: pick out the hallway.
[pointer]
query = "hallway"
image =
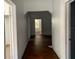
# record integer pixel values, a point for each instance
(54, 16)
(38, 48)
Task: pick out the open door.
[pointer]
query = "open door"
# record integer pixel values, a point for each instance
(72, 29)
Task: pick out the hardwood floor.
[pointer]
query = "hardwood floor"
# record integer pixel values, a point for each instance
(38, 49)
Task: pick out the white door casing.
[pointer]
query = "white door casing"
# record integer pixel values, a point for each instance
(13, 28)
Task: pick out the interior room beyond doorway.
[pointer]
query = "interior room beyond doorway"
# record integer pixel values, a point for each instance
(38, 27)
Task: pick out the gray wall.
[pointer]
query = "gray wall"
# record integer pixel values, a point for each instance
(28, 26)
(46, 22)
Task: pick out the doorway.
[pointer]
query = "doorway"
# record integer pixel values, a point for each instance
(10, 30)
(70, 30)
(38, 27)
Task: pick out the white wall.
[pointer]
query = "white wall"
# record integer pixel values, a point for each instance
(58, 28)
(37, 5)
(21, 27)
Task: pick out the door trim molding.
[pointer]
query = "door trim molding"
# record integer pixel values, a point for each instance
(13, 30)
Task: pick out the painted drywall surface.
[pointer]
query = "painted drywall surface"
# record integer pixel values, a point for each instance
(32, 26)
(21, 27)
(28, 26)
(46, 25)
(58, 28)
(37, 5)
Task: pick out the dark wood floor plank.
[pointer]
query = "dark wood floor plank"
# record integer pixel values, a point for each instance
(38, 49)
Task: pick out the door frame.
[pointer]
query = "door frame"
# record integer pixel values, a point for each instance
(40, 25)
(67, 30)
(13, 28)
